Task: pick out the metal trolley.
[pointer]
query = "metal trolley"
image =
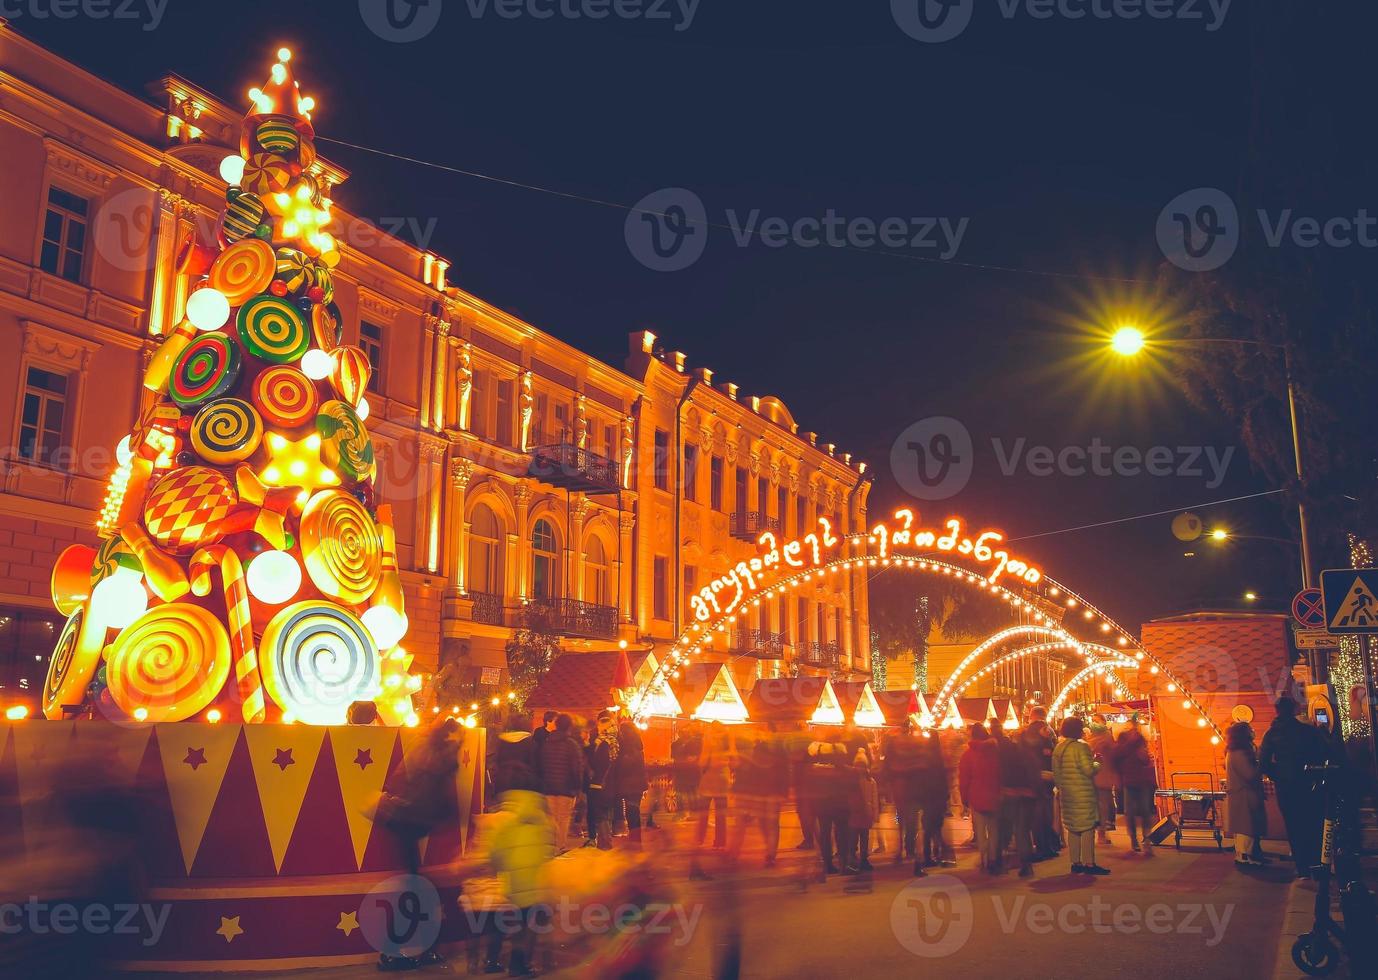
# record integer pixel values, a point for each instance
(1195, 805)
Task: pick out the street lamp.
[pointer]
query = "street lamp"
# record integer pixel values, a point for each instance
(1128, 341)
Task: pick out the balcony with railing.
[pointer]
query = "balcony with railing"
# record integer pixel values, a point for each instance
(571, 468)
(821, 654)
(748, 525)
(761, 644)
(572, 617)
(488, 608)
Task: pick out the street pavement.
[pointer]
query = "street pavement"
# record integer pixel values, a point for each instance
(1187, 913)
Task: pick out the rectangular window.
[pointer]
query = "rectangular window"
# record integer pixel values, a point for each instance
(563, 434)
(782, 509)
(691, 583)
(505, 419)
(801, 515)
(480, 412)
(64, 235)
(539, 425)
(715, 483)
(691, 472)
(763, 495)
(371, 342)
(43, 415)
(739, 489)
(660, 592)
(662, 459)
(610, 439)
(787, 618)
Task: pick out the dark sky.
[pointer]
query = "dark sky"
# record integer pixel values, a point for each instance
(1060, 140)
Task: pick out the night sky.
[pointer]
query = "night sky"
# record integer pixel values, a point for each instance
(1059, 140)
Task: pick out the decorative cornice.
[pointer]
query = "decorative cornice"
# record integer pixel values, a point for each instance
(377, 304)
(78, 166)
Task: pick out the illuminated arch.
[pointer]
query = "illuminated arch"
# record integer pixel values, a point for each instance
(994, 640)
(823, 552)
(1100, 666)
(1003, 659)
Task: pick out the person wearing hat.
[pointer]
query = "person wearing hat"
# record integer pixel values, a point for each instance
(1074, 772)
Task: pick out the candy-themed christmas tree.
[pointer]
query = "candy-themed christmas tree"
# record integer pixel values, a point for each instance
(251, 460)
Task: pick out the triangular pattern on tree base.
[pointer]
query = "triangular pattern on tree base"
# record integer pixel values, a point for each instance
(235, 843)
(321, 843)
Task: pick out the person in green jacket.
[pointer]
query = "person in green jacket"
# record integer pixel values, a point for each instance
(521, 848)
(1074, 773)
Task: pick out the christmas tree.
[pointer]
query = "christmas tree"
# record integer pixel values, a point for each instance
(250, 468)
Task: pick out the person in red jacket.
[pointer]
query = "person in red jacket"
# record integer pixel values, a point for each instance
(978, 777)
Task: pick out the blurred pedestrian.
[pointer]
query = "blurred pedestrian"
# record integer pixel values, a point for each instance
(931, 787)
(543, 731)
(684, 761)
(1289, 746)
(514, 762)
(629, 779)
(900, 775)
(522, 846)
(1020, 781)
(1074, 771)
(715, 782)
(1246, 818)
(759, 786)
(562, 776)
(1038, 739)
(1138, 779)
(863, 813)
(830, 785)
(602, 755)
(1102, 744)
(978, 775)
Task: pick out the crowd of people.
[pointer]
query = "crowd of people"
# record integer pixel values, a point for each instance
(1030, 792)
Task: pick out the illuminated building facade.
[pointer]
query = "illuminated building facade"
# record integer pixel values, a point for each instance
(521, 471)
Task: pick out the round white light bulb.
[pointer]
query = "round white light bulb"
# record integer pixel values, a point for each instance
(208, 309)
(387, 626)
(317, 365)
(273, 577)
(362, 410)
(232, 169)
(120, 599)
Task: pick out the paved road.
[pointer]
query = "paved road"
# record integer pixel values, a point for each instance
(1180, 914)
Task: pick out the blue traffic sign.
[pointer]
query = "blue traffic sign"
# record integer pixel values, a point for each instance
(1351, 600)
(1308, 608)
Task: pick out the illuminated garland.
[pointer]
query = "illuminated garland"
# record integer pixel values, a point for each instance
(803, 561)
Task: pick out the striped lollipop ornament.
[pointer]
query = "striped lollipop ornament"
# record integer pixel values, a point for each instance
(247, 679)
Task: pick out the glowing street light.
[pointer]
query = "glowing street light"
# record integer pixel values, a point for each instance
(1127, 341)
(1219, 534)
(1250, 596)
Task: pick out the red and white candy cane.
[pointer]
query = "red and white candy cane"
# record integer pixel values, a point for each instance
(247, 679)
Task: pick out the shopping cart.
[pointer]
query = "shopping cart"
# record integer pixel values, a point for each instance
(1195, 805)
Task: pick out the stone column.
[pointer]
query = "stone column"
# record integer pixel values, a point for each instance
(439, 391)
(428, 328)
(625, 557)
(579, 510)
(161, 295)
(521, 547)
(461, 472)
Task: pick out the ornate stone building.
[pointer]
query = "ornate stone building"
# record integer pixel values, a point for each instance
(529, 481)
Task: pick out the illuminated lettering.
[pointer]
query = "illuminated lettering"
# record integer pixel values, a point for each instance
(792, 550)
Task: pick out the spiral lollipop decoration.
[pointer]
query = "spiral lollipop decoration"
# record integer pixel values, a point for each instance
(243, 270)
(294, 269)
(345, 444)
(266, 173)
(72, 665)
(285, 396)
(208, 369)
(226, 431)
(272, 329)
(317, 659)
(341, 546)
(172, 661)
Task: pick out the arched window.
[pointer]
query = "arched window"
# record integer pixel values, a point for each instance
(597, 573)
(545, 562)
(484, 573)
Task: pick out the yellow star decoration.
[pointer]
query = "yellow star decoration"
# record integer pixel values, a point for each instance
(297, 464)
(229, 928)
(349, 921)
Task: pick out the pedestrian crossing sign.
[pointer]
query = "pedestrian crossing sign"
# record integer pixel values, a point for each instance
(1351, 600)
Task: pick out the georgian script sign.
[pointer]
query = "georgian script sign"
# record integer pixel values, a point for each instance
(725, 594)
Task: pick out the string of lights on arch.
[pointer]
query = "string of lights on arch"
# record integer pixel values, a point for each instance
(810, 565)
